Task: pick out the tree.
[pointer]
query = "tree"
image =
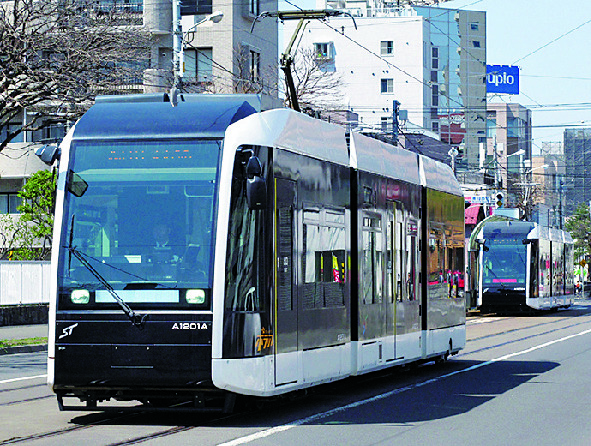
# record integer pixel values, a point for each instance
(57, 55)
(579, 226)
(28, 236)
(318, 85)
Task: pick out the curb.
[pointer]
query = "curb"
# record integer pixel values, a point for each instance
(23, 349)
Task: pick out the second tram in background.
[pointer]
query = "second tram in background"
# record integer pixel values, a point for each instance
(521, 266)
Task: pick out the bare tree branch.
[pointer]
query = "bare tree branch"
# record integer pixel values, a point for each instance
(318, 85)
(57, 55)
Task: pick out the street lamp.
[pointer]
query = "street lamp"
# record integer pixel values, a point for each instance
(545, 166)
(179, 43)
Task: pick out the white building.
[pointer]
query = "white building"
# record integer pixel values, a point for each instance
(431, 60)
(221, 57)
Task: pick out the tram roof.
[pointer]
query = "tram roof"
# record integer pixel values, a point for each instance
(512, 226)
(371, 155)
(198, 115)
(293, 131)
(439, 176)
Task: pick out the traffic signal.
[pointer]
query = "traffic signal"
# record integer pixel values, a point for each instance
(499, 199)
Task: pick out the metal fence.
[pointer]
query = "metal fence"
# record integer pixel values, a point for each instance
(24, 283)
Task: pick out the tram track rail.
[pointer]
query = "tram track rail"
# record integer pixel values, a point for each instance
(551, 325)
(552, 322)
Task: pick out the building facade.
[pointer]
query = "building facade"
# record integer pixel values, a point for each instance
(223, 57)
(508, 150)
(577, 155)
(431, 60)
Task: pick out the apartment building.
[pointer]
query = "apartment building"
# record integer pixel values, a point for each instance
(219, 56)
(577, 155)
(431, 60)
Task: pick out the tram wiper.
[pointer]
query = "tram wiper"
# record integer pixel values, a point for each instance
(138, 320)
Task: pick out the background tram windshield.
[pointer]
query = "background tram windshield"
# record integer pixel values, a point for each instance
(139, 218)
(504, 264)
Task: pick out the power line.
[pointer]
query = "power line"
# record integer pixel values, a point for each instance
(552, 41)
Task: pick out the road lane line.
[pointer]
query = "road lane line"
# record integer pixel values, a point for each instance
(23, 378)
(319, 416)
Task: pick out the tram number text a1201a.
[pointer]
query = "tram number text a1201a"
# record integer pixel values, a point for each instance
(189, 326)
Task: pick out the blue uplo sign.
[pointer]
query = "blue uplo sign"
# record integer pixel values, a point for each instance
(502, 79)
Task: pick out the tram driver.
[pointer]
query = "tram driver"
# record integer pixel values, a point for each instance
(163, 249)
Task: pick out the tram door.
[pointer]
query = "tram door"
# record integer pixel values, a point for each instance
(286, 309)
(392, 265)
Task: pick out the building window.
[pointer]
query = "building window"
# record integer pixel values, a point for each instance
(474, 26)
(254, 65)
(491, 127)
(204, 68)
(476, 43)
(387, 85)
(254, 7)
(10, 128)
(435, 127)
(387, 48)
(323, 50)
(435, 95)
(435, 58)
(196, 7)
(9, 203)
(515, 128)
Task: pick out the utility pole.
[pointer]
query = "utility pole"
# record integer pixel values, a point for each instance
(395, 121)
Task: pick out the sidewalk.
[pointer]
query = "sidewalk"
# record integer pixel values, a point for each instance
(23, 332)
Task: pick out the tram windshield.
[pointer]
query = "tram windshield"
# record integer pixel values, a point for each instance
(139, 218)
(504, 264)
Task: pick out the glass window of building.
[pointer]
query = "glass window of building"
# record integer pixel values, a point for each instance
(434, 58)
(323, 50)
(387, 48)
(254, 65)
(387, 85)
(205, 65)
(9, 203)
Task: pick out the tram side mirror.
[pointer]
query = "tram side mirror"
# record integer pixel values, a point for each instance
(48, 153)
(76, 185)
(481, 242)
(256, 186)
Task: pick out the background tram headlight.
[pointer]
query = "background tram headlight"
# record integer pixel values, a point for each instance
(195, 297)
(80, 297)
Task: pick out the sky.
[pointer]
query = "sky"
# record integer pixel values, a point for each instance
(550, 41)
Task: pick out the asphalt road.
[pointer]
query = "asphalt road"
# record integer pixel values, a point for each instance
(520, 381)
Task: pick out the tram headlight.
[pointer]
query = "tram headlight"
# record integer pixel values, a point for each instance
(80, 297)
(195, 297)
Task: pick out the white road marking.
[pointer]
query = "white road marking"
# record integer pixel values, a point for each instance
(483, 320)
(23, 378)
(319, 416)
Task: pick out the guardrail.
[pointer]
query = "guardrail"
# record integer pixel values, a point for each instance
(24, 283)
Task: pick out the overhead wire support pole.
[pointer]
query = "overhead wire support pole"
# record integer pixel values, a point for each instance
(286, 60)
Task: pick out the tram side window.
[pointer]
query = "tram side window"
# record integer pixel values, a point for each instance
(436, 264)
(372, 261)
(323, 259)
(246, 261)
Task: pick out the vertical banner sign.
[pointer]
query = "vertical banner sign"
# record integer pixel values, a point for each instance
(502, 79)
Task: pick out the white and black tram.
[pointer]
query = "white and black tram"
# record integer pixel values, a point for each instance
(210, 248)
(521, 266)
